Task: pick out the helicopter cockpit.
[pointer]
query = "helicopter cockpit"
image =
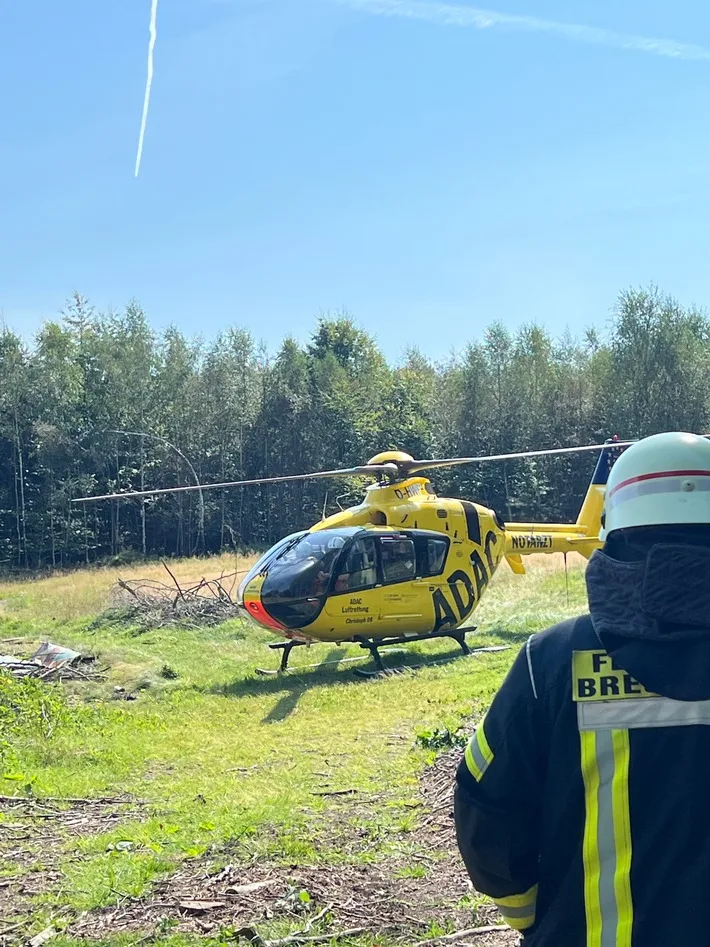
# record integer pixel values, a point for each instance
(296, 574)
(301, 571)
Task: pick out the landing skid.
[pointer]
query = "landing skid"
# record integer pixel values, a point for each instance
(275, 672)
(286, 647)
(402, 669)
(373, 646)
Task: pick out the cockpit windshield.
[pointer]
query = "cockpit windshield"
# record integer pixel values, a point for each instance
(297, 575)
(315, 546)
(261, 563)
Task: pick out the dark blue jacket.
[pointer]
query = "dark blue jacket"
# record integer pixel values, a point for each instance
(582, 803)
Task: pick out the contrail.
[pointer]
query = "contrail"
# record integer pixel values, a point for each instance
(149, 81)
(447, 14)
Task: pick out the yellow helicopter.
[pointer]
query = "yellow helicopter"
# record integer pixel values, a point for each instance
(405, 564)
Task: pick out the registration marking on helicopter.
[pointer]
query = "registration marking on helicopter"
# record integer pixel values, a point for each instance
(413, 490)
(534, 541)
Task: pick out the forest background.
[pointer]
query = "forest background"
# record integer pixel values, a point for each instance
(190, 410)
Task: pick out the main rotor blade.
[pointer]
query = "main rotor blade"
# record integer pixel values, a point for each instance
(365, 470)
(417, 465)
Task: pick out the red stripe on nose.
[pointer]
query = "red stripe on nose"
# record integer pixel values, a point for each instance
(259, 613)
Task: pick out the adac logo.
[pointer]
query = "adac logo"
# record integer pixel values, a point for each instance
(454, 605)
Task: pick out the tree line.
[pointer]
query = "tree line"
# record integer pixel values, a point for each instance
(100, 402)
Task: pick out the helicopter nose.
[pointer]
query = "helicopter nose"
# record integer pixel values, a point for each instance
(255, 609)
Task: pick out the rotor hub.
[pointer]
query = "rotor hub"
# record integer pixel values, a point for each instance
(397, 457)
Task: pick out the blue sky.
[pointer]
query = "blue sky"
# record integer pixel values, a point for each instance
(424, 165)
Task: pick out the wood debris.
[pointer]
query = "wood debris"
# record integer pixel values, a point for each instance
(149, 603)
(200, 906)
(248, 889)
(47, 934)
(462, 935)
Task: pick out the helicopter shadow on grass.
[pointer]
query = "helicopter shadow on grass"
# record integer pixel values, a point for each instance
(512, 638)
(292, 685)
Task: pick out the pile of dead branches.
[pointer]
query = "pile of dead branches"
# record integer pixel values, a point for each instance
(149, 603)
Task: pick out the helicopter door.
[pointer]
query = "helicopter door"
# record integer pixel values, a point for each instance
(353, 596)
(403, 592)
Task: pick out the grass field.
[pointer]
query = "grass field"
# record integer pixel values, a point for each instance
(217, 801)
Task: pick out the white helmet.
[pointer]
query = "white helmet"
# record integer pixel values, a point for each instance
(660, 480)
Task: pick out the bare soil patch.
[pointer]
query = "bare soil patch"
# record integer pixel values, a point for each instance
(404, 893)
(34, 835)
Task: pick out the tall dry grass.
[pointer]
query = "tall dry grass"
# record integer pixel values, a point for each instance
(64, 596)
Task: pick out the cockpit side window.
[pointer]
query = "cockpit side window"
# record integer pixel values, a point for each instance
(359, 571)
(398, 559)
(436, 555)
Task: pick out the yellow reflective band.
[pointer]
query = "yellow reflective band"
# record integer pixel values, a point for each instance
(479, 755)
(472, 765)
(606, 846)
(483, 746)
(590, 851)
(518, 910)
(519, 900)
(622, 837)
(519, 923)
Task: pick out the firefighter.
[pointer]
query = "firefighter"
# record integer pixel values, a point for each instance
(581, 804)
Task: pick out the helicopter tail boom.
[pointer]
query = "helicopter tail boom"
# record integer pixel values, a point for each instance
(582, 536)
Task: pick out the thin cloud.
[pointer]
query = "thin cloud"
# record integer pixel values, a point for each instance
(149, 81)
(446, 14)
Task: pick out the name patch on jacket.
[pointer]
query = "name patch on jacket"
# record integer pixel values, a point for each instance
(595, 676)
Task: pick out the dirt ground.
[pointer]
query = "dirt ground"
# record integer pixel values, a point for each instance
(401, 895)
(33, 838)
